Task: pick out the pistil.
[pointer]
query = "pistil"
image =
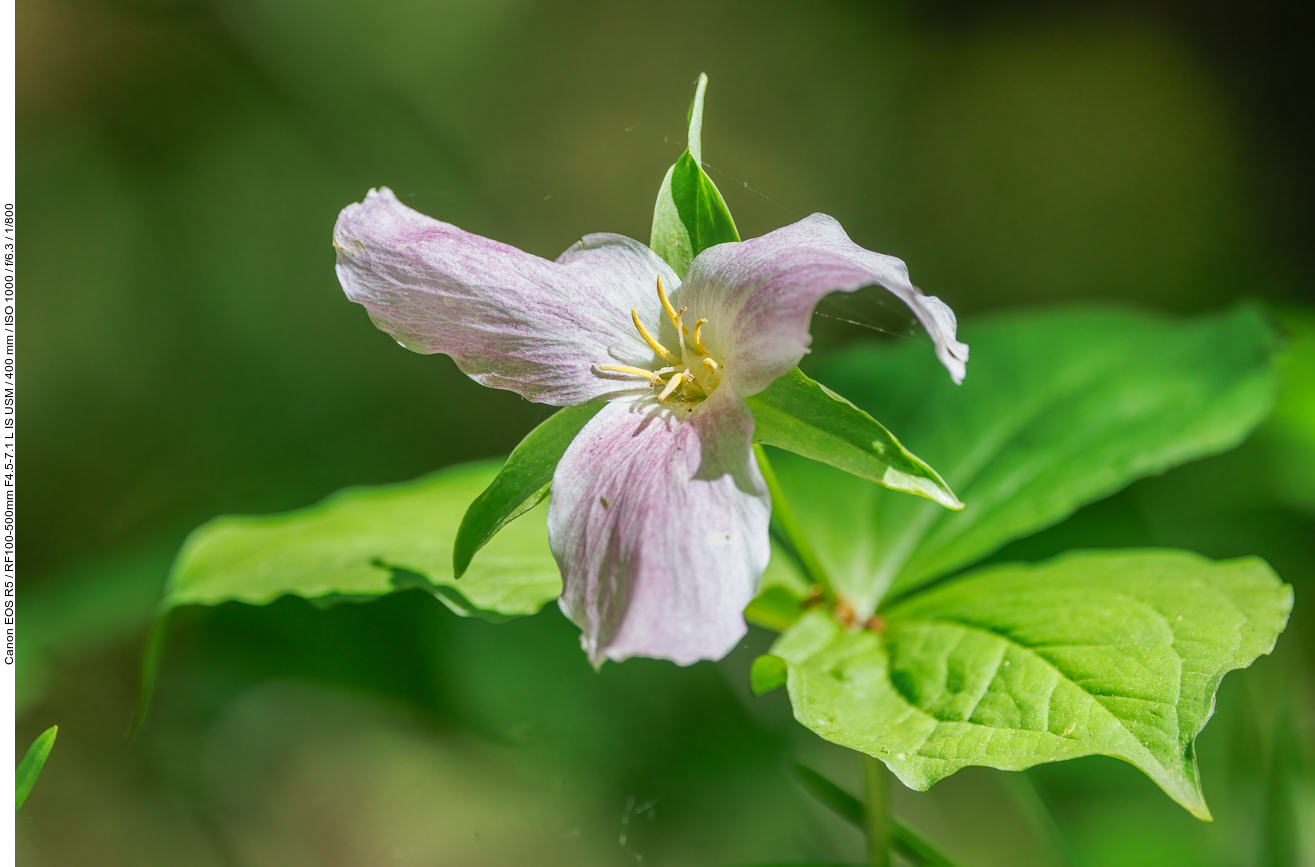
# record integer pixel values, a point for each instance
(676, 380)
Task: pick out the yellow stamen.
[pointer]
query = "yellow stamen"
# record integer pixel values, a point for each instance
(698, 337)
(710, 365)
(666, 305)
(651, 376)
(648, 338)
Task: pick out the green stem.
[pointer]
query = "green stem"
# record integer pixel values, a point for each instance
(1039, 814)
(151, 657)
(903, 839)
(785, 521)
(877, 812)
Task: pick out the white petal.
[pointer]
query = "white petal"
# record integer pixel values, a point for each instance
(658, 519)
(509, 319)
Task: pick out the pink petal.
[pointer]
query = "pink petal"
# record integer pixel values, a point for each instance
(759, 296)
(658, 519)
(509, 319)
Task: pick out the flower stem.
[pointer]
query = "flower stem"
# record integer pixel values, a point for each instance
(785, 521)
(877, 812)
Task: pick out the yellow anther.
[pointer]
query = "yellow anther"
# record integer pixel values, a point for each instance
(648, 338)
(666, 305)
(710, 365)
(698, 337)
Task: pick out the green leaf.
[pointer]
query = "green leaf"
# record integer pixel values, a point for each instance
(1290, 432)
(30, 768)
(781, 593)
(1059, 409)
(768, 673)
(690, 215)
(362, 543)
(775, 608)
(805, 417)
(1115, 653)
(355, 546)
(522, 483)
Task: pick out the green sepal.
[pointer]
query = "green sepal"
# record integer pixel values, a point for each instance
(1062, 408)
(522, 483)
(30, 768)
(1115, 653)
(805, 417)
(690, 215)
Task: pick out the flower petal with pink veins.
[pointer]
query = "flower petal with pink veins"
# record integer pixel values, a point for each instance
(658, 519)
(509, 319)
(759, 296)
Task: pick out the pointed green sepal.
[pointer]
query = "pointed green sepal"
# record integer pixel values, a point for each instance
(522, 483)
(807, 418)
(690, 215)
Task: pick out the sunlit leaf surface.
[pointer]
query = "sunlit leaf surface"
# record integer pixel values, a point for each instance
(1059, 409)
(365, 542)
(1111, 653)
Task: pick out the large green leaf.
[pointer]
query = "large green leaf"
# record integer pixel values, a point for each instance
(365, 542)
(690, 215)
(1059, 409)
(1115, 653)
(522, 483)
(25, 777)
(1290, 431)
(805, 417)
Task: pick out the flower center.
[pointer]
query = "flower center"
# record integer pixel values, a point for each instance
(693, 374)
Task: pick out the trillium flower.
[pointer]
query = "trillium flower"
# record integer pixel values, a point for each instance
(658, 513)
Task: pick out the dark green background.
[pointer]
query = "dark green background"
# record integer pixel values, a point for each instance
(186, 351)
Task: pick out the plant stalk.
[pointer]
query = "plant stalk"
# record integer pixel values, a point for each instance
(877, 812)
(785, 521)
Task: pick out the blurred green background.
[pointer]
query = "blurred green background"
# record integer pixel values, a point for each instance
(187, 351)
